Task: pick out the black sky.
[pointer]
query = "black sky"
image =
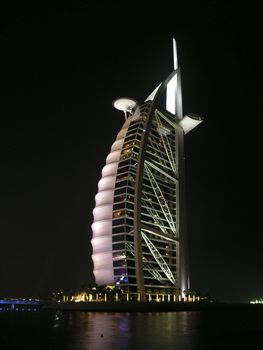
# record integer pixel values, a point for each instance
(61, 68)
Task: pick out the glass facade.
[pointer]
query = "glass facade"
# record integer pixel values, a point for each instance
(158, 203)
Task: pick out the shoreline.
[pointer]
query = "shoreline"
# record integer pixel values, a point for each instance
(112, 306)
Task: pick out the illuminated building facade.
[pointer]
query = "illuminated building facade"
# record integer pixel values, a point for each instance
(139, 237)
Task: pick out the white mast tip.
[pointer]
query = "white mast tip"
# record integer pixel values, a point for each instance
(175, 55)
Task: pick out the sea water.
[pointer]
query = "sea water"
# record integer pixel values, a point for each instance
(231, 328)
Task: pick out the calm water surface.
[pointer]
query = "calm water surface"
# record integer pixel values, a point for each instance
(240, 328)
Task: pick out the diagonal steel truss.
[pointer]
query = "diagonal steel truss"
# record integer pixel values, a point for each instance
(146, 265)
(153, 213)
(159, 259)
(166, 144)
(160, 198)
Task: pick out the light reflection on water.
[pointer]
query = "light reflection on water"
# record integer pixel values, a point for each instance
(222, 329)
(110, 331)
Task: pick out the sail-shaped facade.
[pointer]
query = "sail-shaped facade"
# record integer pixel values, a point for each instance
(139, 229)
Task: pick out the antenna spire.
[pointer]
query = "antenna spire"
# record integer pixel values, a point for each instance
(175, 55)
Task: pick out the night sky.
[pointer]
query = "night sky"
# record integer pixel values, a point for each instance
(61, 67)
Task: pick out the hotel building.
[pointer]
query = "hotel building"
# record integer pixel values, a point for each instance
(139, 235)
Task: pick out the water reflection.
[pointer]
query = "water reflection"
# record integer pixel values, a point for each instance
(110, 331)
(57, 319)
(215, 329)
